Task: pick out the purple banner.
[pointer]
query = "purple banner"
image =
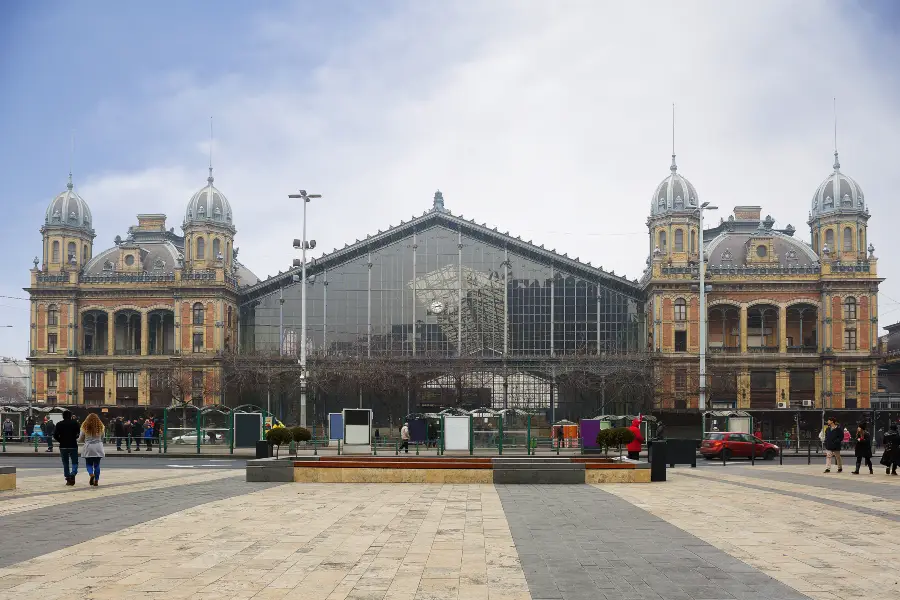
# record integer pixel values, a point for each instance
(589, 430)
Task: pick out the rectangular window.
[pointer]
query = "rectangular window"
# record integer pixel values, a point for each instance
(680, 310)
(197, 380)
(849, 339)
(850, 381)
(51, 381)
(126, 379)
(680, 380)
(198, 342)
(51, 342)
(681, 341)
(93, 379)
(159, 380)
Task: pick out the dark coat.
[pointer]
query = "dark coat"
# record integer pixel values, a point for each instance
(119, 428)
(891, 449)
(864, 445)
(67, 433)
(834, 437)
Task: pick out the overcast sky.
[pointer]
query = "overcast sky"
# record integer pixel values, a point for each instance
(548, 119)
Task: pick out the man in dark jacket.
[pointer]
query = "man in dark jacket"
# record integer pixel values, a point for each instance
(834, 437)
(66, 435)
(29, 428)
(48, 427)
(119, 432)
(891, 456)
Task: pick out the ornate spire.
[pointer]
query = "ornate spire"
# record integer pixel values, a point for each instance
(69, 185)
(673, 167)
(210, 178)
(438, 200)
(837, 163)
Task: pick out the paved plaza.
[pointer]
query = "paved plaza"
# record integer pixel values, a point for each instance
(169, 530)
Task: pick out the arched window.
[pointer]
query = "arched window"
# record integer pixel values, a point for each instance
(662, 241)
(693, 241)
(52, 315)
(198, 314)
(84, 254)
(850, 308)
(829, 239)
(217, 249)
(54, 255)
(227, 252)
(680, 310)
(861, 240)
(201, 248)
(72, 253)
(816, 241)
(848, 239)
(228, 320)
(679, 241)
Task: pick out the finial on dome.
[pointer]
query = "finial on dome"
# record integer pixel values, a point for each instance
(210, 178)
(438, 200)
(837, 163)
(674, 167)
(69, 185)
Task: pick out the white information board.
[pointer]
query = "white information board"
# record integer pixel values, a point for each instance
(456, 433)
(739, 424)
(357, 426)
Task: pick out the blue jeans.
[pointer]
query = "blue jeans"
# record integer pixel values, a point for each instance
(67, 454)
(93, 466)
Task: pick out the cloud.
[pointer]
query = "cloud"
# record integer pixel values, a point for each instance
(550, 120)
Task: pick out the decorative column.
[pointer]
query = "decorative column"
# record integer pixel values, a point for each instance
(145, 333)
(743, 329)
(111, 333)
(783, 386)
(176, 334)
(782, 329)
(743, 389)
(143, 398)
(109, 380)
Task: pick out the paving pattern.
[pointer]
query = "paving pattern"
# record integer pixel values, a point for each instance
(736, 532)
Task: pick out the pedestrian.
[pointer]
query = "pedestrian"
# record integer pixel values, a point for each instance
(119, 432)
(8, 428)
(404, 438)
(661, 431)
(787, 439)
(891, 455)
(863, 448)
(92, 437)
(758, 433)
(157, 429)
(29, 428)
(634, 446)
(834, 436)
(148, 434)
(137, 433)
(846, 438)
(127, 428)
(66, 434)
(48, 427)
(377, 437)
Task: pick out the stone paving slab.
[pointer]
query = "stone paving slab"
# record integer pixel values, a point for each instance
(581, 543)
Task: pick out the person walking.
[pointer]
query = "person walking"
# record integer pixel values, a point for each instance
(137, 433)
(8, 428)
(404, 438)
(119, 432)
(863, 448)
(148, 434)
(891, 455)
(66, 435)
(846, 439)
(29, 428)
(634, 446)
(48, 427)
(834, 436)
(92, 437)
(127, 428)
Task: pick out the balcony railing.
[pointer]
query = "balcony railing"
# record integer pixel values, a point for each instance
(162, 352)
(127, 351)
(95, 352)
(802, 349)
(724, 350)
(762, 349)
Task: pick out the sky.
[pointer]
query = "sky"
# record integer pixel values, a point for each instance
(552, 120)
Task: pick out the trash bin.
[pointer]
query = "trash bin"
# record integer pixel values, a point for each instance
(658, 460)
(263, 449)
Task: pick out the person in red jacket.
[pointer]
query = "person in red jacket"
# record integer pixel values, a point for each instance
(634, 447)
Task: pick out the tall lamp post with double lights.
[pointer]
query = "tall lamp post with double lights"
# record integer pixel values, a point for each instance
(702, 401)
(303, 245)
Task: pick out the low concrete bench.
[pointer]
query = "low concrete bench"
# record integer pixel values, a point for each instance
(279, 470)
(7, 478)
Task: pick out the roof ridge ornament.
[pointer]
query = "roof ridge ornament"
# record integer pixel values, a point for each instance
(438, 201)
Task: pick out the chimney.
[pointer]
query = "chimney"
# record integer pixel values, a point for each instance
(747, 213)
(151, 223)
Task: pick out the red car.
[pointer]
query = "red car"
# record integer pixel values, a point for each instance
(736, 445)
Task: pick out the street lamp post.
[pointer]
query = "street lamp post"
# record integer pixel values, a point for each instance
(702, 400)
(303, 245)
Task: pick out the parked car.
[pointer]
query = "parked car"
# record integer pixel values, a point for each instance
(736, 445)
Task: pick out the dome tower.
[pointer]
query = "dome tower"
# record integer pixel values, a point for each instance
(67, 231)
(674, 221)
(208, 229)
(838, 217)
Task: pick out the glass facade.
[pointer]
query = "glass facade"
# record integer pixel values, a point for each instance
(440, 292)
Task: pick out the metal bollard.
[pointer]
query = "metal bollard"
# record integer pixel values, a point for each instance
(34, 437)
(723, 453)
(809, 452)
(781, 456)
(417, 448)
(753, 453)
(3, 438)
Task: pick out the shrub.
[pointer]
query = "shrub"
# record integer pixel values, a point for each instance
(300, 434)
(277, 436)
(615, 436)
